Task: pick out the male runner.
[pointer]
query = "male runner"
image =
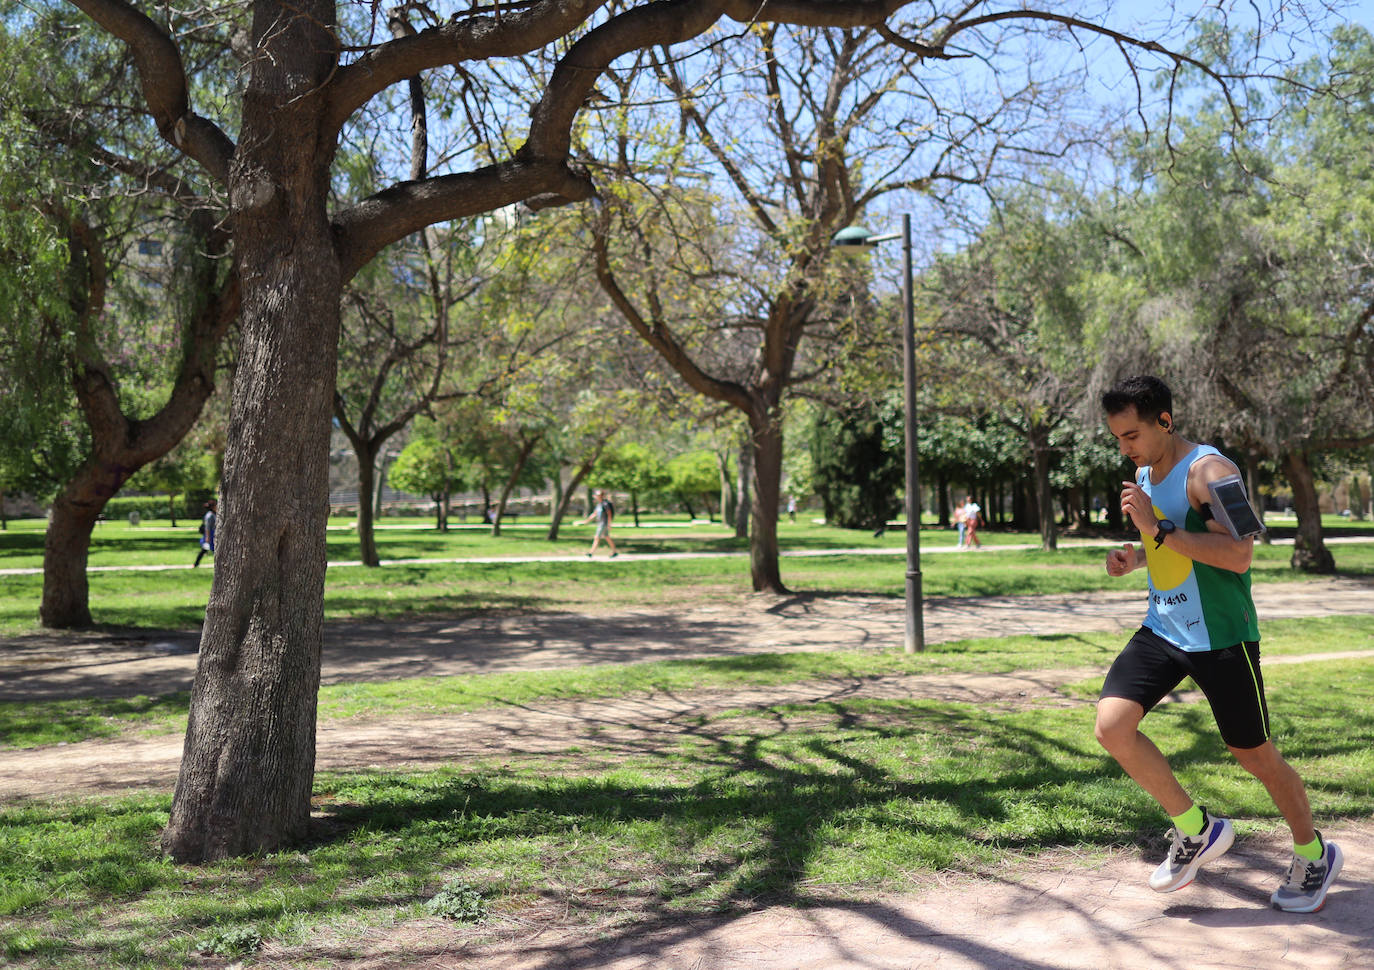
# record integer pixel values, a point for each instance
(1201, 623)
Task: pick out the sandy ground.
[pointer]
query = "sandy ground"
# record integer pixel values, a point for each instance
(1061, 912)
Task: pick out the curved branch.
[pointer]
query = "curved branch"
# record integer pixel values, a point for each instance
(163, 77)
(1122, 41)
(504, 34)
(658, 336)
(664, 22)
(364, 229)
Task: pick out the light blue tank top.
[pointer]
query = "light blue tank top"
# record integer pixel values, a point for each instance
(1192, 605)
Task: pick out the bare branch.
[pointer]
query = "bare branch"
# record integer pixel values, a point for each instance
(365, 228)
(476, 37)
(163, 77)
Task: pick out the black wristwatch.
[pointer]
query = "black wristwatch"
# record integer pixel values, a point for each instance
(1166, 527)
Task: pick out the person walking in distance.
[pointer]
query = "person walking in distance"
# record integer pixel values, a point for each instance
(207, 532)
(603, 511)
(973, 513)
(1200, 623)
(959, 523)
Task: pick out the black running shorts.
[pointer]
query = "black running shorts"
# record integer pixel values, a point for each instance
(1150, 667)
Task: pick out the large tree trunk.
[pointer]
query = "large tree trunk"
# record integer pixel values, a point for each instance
(583, 470)
(764, 573)
(746, 473)
(521, 461)
(66, 595)
(121, 445)
(1044, 495)
(1309, 551)
(367, 485)
(1252, 486)
(249, 758)
(727, 488)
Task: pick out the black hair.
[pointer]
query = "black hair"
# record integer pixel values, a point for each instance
(1149, 396)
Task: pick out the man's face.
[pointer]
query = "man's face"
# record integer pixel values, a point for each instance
(1143, 442)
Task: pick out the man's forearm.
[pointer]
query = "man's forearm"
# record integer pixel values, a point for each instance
(1211, 548)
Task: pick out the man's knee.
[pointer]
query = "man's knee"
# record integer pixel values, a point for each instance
(1262, 762)
(1118, 722)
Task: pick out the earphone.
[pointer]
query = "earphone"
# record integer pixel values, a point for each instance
(1167, 426)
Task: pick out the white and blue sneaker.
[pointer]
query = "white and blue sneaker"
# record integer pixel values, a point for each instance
(1304, 890)
(1189, 853)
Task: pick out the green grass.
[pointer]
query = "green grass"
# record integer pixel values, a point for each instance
(793, 804)
(176, 599)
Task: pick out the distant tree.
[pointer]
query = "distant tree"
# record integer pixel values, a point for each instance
(1258, 278)
(859, 465)
(634, 468)
(426, 466)
(694, 481)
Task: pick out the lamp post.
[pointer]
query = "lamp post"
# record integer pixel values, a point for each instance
(854, 239)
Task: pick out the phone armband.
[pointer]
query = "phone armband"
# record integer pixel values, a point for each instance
(1232, 509)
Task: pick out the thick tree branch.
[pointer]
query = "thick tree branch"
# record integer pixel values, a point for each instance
(660, 338)
(163, 77)
(506, 34)
(364, 229)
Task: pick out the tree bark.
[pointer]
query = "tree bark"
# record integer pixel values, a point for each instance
(120, 445)
(766, 431)
(1310, 554)
(249, 758)
(1252, 486)
(521, 461)
(583, 470)
(66, 593)
(727, 488)
(1044, 495)
(368, 484)
(746, 473)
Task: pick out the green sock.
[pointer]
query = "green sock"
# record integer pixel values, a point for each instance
(1190, 822)
(1312, 851)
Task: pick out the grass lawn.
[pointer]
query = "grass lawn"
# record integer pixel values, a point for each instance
(795, 803)
(175, 599)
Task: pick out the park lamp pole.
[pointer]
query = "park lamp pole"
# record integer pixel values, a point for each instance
(854, 239)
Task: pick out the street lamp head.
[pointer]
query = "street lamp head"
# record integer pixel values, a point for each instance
(852, 240)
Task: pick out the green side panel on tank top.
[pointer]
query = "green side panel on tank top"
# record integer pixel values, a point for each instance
(1227, 608)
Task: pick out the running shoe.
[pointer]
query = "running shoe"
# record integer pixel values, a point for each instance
(1188, 853)
(1304, 890)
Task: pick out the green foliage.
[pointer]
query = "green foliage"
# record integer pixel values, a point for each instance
(633, 468)
(694, 478)
(426, 467)
(858, 460)
(40, 443)
(459, 902)
(232, 941)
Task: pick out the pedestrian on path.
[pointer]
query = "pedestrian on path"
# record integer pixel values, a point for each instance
(1200, 623)
(603, 511)
(207, 532)
(959, 523)
(973, 518)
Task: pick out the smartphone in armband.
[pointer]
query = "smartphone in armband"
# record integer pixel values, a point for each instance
(1232, 509)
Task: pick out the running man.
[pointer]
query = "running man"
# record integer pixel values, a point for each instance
(1201, 623)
